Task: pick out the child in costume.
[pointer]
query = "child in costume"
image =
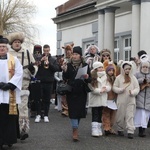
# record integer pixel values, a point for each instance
(109, 112)
(98, 97)
(127, 87)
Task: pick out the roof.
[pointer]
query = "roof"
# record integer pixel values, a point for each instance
(72, 4)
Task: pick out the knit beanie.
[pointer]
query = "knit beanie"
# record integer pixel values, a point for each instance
(140, 53)
(109, 68)
(97, 64)
(78, 50)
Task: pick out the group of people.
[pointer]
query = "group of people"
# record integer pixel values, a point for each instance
(18, 66)
(118, 95)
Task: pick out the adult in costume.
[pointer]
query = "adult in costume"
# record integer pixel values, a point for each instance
(10, 88)
(27, 61)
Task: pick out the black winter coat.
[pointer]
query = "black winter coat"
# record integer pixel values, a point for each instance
(77, 98)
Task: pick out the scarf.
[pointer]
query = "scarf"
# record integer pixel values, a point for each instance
(76, 63)
(100, 74)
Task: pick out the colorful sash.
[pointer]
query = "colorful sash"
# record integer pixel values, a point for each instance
(12, 94)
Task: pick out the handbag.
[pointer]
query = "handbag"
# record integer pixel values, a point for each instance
(63, 88)
(87, 86)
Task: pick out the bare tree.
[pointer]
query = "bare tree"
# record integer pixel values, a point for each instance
(15, 16)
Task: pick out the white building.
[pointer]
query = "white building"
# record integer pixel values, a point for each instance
(122, 26)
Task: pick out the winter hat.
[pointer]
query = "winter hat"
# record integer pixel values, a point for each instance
(78, 50)
(109, 65)
(105, 52)
(16, 36)
(97, 64)
(140, 53)
(3, 40)
(37, 49)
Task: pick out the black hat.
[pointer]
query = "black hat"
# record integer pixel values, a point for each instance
(141, 52)
(3, 40)
(78, 50)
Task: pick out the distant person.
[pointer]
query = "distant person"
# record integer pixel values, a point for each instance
(68, 51)
(92, 54)
(136, 61)
(45, 74)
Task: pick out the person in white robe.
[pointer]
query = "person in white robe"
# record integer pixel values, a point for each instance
(11, 74)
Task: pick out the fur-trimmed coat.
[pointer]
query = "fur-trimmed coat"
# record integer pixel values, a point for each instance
(26, 72)
(97, 99)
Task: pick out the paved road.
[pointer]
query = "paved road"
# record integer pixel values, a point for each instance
(57, 135)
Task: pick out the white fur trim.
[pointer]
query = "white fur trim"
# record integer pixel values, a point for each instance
(24, 92)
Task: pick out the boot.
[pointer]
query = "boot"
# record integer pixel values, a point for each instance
(141, 132)
(23, 135)
(95, 129)
(100, 129)
(75, 134)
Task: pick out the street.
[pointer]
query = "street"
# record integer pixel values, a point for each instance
(57, 135)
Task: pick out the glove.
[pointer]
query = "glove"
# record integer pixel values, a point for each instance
(31, 68)
(1, 84)
(60, 81)
(8, 86)
(144, 81)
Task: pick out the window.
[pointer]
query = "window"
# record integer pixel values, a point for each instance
(86, 45)
(116, 50)
(127, 48)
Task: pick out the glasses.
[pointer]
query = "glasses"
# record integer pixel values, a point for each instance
(105, 55)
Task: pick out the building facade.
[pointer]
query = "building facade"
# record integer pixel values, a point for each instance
(122, 26)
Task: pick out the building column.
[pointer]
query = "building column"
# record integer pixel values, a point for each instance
(145, 26)
(109, 29)
(135, 27)
(101, 29)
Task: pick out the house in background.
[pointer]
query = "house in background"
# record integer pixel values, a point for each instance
(123, 26)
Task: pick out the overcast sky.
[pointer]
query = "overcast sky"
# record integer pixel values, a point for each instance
(47, 29)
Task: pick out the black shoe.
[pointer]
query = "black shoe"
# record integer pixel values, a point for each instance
(107, 132)
(10, 145)
(120, 133)
(141, 132)
(23, 136)
(130, 135)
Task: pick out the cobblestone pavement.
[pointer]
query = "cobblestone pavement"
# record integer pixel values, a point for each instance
(57, 135)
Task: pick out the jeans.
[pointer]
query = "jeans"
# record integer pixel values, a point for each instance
(75, 123)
